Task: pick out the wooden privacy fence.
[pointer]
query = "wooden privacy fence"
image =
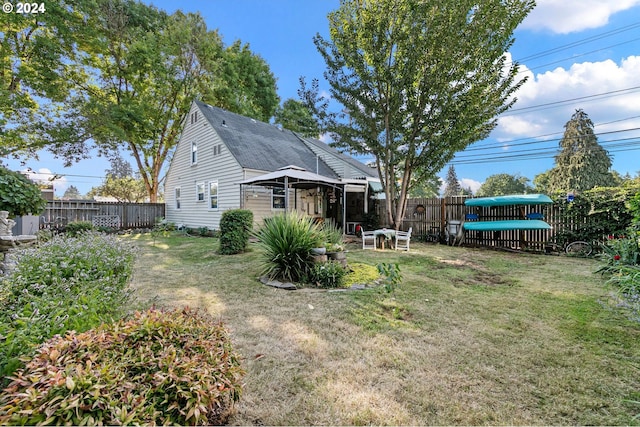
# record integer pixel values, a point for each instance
(126, 215)
(430, 216)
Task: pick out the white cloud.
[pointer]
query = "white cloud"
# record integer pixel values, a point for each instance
(576, 83)
(567, 16)
(45, 176)
(467, 183)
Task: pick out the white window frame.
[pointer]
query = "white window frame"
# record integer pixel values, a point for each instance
(177, 194)
(200, 192)
(211, 197)
(278, 196)
(194, 152)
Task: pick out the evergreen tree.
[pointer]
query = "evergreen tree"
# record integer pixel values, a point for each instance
(582, 163)
(120, 168)
(72, 192)
(453, 187)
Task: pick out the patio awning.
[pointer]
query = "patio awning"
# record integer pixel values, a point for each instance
(293, 176)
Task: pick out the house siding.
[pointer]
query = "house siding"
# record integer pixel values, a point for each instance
(214, 163)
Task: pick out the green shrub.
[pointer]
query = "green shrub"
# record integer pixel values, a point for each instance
(235, 228)
(327, 275)
(157, 368)
(66, 283)
(286, 242)
(598, 212)
(77, 227)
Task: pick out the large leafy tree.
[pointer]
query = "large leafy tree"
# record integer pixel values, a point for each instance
(36, 73)
(138, 70)
(149, 67)
(502, 184)
(426, 188)
(582, 163)
(294, 115)
(244, 84)
(419, 81)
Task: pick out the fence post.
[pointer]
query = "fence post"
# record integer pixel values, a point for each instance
(443, 220)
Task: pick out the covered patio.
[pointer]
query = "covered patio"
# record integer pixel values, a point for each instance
(316, 195)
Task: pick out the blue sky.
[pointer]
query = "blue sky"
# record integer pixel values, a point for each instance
(576, 54)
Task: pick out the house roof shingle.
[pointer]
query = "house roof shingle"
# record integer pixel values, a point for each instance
(261, 146)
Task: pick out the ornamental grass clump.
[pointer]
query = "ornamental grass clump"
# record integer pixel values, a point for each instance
(64, 284)
(157, 368)
(286, 242)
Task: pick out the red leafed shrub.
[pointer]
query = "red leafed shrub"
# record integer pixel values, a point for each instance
(158, 367)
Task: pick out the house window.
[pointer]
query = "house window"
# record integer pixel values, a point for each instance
(194, 152)
(217, 149)
(200, 192)
(194, 117)
(277, 198)
(177, 193)
(213, 194)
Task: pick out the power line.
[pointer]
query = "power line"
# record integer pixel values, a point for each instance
(527, 141)
(604, 144)
(612, 146)
(537, 137)
(580, 98)
(579, 42)
(576, 56)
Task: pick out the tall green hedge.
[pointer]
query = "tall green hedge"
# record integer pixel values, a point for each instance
(600, 211)
(235, 228)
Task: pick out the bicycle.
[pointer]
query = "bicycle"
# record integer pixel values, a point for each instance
(578, 248)
(582, 248)
(434, 236)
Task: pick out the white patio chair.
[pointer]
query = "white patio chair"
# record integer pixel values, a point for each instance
(368, 240)
(402, 240)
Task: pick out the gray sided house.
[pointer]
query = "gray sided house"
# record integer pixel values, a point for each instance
(227, 161)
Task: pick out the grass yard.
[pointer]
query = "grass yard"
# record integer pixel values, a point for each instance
(472, 337)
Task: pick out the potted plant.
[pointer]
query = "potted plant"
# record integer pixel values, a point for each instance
(319, 250)
(333, 248)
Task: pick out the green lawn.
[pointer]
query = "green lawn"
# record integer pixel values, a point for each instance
(472, 337)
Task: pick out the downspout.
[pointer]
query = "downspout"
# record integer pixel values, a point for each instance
(344, 209)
